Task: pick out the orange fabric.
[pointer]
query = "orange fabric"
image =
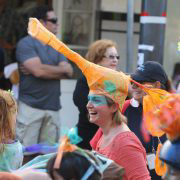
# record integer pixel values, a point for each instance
(151, 102)
(160, 166)
(65, 146)
(100, 80)
(14, 78)
(166, 117)
(162, 118)
(154, 98)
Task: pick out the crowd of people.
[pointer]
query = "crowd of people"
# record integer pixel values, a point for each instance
(110, 114)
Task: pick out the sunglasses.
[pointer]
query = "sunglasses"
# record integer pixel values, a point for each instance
(134, 85)
(112, 57)
(53, 20)
(145, 84)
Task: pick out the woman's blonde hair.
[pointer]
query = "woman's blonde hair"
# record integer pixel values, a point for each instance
(118, 118)
(8, 108)
(97, 50)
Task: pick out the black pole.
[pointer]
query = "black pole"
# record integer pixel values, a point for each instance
(152, 31)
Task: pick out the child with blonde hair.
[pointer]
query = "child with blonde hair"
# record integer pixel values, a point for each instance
(11, 151)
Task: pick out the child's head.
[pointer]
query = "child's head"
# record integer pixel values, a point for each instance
(74, 165)
(8, 110)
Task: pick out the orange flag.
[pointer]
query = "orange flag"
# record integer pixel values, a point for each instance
(151, 103)
(160, 166)
(166, 118)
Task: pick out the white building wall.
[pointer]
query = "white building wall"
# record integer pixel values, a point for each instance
(119, 5)
(69, 113)
(171, 53)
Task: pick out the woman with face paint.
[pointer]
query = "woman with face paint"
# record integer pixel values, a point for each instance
(116, 141)
(104, 53)
(108, 91)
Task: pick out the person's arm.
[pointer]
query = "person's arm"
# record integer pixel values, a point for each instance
(68, 69)
(30, 63)
(45, 71)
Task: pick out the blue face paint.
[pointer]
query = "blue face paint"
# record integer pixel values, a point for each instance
(97, 100)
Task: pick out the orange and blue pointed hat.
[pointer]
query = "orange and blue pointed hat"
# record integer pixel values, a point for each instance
(100, 80)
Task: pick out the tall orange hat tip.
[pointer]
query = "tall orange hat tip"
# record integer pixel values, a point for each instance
(33, 27)
(38, 31)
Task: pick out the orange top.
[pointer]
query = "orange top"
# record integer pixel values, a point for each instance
(127, 151)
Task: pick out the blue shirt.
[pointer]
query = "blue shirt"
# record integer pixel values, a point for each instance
(12, 157)
(37, 92)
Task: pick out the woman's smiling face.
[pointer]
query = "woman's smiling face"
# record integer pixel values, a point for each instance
(110, 59)
(98, 109)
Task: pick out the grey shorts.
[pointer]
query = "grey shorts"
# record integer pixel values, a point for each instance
(37, 126)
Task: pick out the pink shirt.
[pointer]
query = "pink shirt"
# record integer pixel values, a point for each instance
(126, 150)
